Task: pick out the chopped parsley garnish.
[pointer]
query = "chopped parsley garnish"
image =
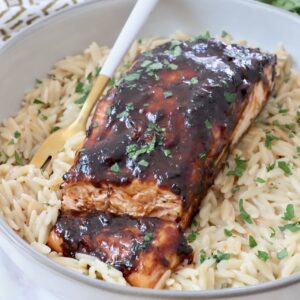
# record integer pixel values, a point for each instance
(227, 232)
(154, 127)
(219, 256)
(54, 128)
(243, 214)
(17, 134)
(194, 80)
(38, 81)
(202, 256)
(208, 124)
(167, 152)
(252, 241)
(174, 43)
(224, 34)
(168, 94)
(289, 213)
(38, 101)
(270, 167)
(262, 255)
(285, 167)
(95, 125)
(282, 254)
(11, 142)
(289, 125)
(134, 151)
(229, 97)
(145, 63)
(204, 36)
(81, 100)
(132, 77)
(19, 160)
(154, 67)
(202, 155)
(298, 149)
(235, 189)
(292, 227)
(143, 163)
(90, 77)
(259, 180)
(109, 111)
(79, 87)
(240, 167)
(112, 81)
(172, 66)
(276, 123)
(273, 232)
(123, 115)
(269, 139)
(283, 110)
(192, 236)
(115, 168)
(97, 71)
(148, 236)
(174, 51)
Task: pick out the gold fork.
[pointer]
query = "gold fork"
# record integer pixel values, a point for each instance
(56, 141)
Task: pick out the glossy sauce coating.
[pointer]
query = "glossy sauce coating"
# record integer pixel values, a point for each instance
(170, 117)
(122, 240)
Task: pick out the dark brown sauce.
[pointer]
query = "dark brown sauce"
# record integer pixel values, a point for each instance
(194, 97)
(119, 240)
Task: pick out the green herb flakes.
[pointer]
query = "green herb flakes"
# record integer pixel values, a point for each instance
(273, 232)
(145, 63)
(54, 128)
(243, 214)
(219, 256)
(289, 213)
(292, 227)
(38, 101)
(109, 111)
(260, 180)
(81, 100)
(208, 124)
(202, 155)
(168, 94)
(132, 77)
(202, 256)
(204, 36)
(192, 237)
(262, 255)
(240, 167)
(38, 81)
(19, 160)
(282, 254)
(229, 97)
(227, 232)
(269, 139)
(143, 163)
(285, 167)
(167, 152)
(79, 87)
(154, 67)
(172, 66)
(17, 134)
(95, 125)
(270, 167)
(252, 242)
(194, 80)
(11, 142)
(148, 236)
(115, 168)
(283, 110)
(225, 34)
(235, 189)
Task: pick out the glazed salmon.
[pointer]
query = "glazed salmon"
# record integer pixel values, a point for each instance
(143, 249)
(158, 139)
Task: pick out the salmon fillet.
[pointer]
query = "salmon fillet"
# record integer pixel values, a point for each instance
(158, 139)
(143, 249)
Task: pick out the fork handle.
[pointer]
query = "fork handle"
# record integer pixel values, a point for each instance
(134, 23)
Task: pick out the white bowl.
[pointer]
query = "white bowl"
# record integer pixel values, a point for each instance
(31, 54)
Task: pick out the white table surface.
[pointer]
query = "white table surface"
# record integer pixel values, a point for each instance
(15, 286)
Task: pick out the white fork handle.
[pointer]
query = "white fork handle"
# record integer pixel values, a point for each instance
(134, 23)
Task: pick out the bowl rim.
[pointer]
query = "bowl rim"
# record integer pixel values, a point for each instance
(13, 238)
